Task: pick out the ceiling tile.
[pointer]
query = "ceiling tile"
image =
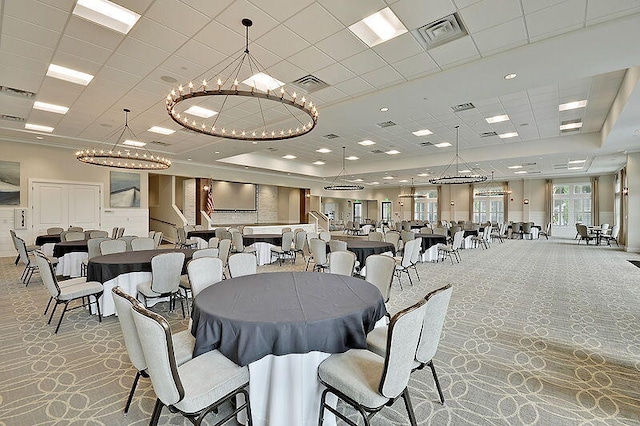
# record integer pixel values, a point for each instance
(157, 35)
(352, 11)
(530, 6)
(489, 13)
(200, 54)
(29, 32)
(88, 51)
(364, 62)
(383, 77)
(355, 86)
(416, 13)
(130, 65)
(233, 15)
(329, 94)
(314, 23)
(311, 59)
(601, 11)
(142, 51)
(286, 71)
(208, 7)
(558, 19)
(341, 45)
(334, 74)
(22, 79)
(464, 3)
(281, 9)
(455, 52)
(89, 32)
(26, 49)
(37, 13)
(221, 38)
(398, 48)
(501, 37)
(282, 41)
(165, 12)
(416, 65)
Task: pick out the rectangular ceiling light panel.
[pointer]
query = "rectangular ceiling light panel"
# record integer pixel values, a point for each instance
(137, 144)
(497, 119)
(572, 105)
(107, 14)
(378, 28)
(161, 130)
(38, 128)
(200, 112)
(263, 82)
(68, 74)
(43, 106)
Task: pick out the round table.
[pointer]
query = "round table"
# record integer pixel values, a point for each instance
(70, 256)
(275, 239)
(429, 240)
(65, 247)
(283, 325)
(364, 248)
(46, 239)
(204, 234)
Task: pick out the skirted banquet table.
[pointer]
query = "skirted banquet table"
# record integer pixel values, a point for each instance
(430, 246)
(263, 244)
(70, 255)
(127, 270)
(283, 325)
(365, 248)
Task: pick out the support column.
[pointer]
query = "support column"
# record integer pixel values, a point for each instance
(632, 219)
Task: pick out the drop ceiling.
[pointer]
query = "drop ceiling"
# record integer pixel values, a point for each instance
(561, 51)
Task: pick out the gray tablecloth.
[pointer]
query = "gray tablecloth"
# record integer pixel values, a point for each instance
(247, 318)
(64, 247)
(275, 239)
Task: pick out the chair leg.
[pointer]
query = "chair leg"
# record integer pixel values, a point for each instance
(407, 403)
(435, 379)
(61, 316)
(133, 389)
(97, 307)
(47, 308)
(157, 410)
(53, 311)
(17, 260)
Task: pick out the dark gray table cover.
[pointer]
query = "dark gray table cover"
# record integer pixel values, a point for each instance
(64, 247)
(249, 317)
(108, 267)
(204, 234)
(275, 239)
(429, 240)
(365, 248)
(44, 239)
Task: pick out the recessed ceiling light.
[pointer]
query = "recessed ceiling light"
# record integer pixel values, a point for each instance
(137, 144)
(264, 82)
(38, 128)
(107, 14)
(375, 183)
(384, 109)
(520, 172)
(67, 74)
(323, 150)
(359, 180)
(570, 126)
(572, 105)
(403, 181)
(168, 79)
(423, 132)
(352, 158)
(367, 143)
(161, 130)
(289, 157)
(442, 144)
(497, 119)
(188, 159)
(388, 177)
(577, 161)
(378, 28)
(508, 135)
(319, 163)
(510, 76)
(200, 112)
(423, 174)
(216, 152)
(39, 138)
(465, 171)
(43, 106)
(392, 152)
(514, 167)
(575, 168)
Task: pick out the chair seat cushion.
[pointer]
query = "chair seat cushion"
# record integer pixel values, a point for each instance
(76, 291)
(144, 288)
(183, 343)
(184, 282)
(277, 249)
(357, 374)
(201, 390)
(72, 281)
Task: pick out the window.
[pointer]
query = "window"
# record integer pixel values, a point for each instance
(488, 208)
(357, 212)
(571, 204)
(426, 208)
(386, 211)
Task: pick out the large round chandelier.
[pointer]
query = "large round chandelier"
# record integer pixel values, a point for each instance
(490, 189)
(340, 182)
(241, 101)
(412, 193)
(123, 154)
(460, 177)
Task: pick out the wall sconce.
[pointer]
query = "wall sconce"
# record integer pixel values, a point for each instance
(205, 188)
(452, 203)
(525, 201)
(625, 191)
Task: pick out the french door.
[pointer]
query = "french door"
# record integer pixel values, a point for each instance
(59, 204)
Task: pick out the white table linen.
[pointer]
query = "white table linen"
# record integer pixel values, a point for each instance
(70, 265)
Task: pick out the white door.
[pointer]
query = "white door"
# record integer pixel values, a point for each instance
(65, 204)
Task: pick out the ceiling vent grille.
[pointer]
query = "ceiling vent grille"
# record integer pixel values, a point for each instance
(425, 144)
(560, 167)
(488, 134)
(377, 151)
(441, 31)
(12, 118)
(160, 143)
(331, 136)
(309, 83)
(462, 107)
(386, 124)
(528, 164)
(272, 149)
(17, 92)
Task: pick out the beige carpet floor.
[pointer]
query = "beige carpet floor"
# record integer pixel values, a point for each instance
(538, 333)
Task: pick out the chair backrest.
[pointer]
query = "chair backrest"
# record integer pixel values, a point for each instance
(437, 305)
(98, 234)
(516, 227)
(21, 246)
(219, 232)
(93, 246)
(238, 241)
(375, 236)
(415, 254)
(120, 232)
(157, 347)
(75, 229)
(74, 236)
(300, 240)
(113, 246)
(47, 274)
(604, 227)
(379, 272)
(127, 239)
(393, 237)
(157, 239)
(224, 248)
(54, 231)
(582, 230)
(342, 262)
(144, 243)
(124, 304)
(203, 272)
(287, 241)
(200, 228)
(526, 228)
(325, 236)
(615, 230)
(318, 250)
(188, 228)
(247, 230)
(114, 233)
(337, 245)
(441, 231)
(243, 264)
(233, 230)
(207, 252)
(407, 254)
(458, 239)
(213, 242)
(311, 236)
(166, 269)
(426, 230)
(151, 234)
(402, 342)
(285, 229)
(181, 234)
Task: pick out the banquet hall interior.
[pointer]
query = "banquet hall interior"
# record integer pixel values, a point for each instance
(513, 122)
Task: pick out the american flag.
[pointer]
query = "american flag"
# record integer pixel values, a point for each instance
(210, 199)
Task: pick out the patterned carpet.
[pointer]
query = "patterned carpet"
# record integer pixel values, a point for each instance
(538, 333)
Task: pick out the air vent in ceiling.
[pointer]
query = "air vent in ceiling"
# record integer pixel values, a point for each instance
(569, 130)
(462, 107)
(184, 129)
(488, 134)
(441, 31)
(309, 83)
(534, 172)
(425, 144)
(528, 164)
(560, 167)
(386, 124)
(272, 149)
(12, 118)
(17, 92)
(331, 136)
(377, 151)
(160, 143)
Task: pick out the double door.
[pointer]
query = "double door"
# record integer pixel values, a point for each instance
(65, 204)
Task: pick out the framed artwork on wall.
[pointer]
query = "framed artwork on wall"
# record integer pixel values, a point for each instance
(125, 189)
(9, 183)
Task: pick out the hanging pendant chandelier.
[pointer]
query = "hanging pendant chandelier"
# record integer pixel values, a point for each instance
(340, 182)
(241, 101)
(411, 193)
(457, 178)
(126, 153)
(490, 189)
